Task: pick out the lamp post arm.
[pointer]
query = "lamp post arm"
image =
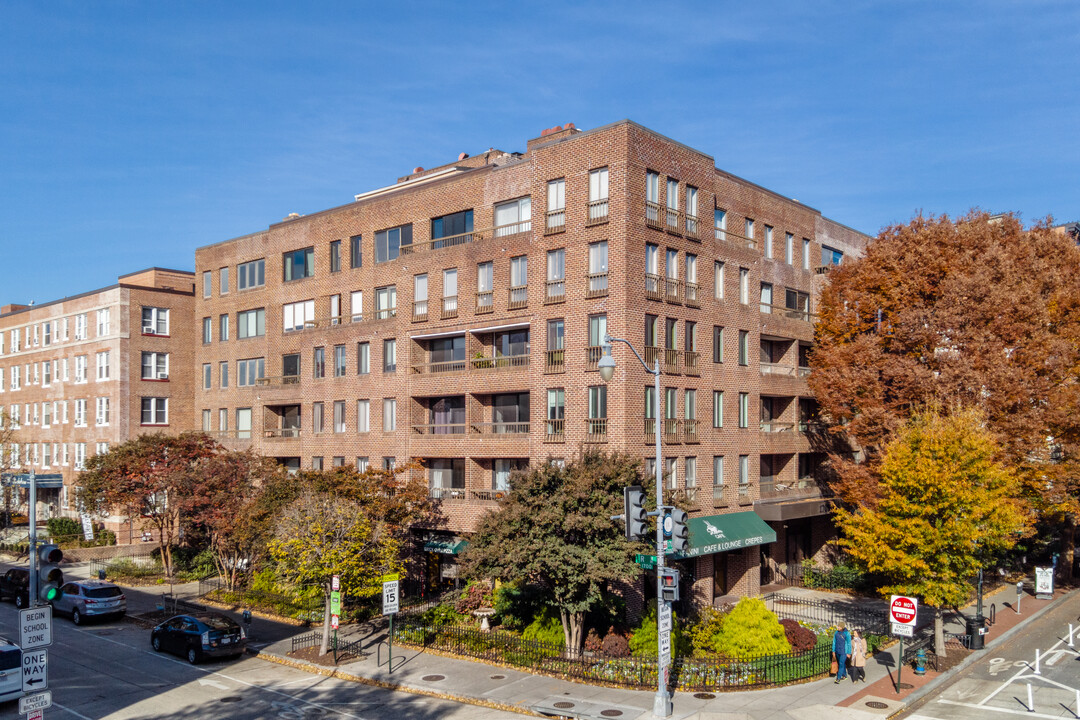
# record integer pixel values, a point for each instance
(608, 339)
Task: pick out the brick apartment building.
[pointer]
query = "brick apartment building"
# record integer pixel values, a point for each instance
(456, 318)
(80, 374)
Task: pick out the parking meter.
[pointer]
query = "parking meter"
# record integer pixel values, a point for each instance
(1019, 592)
(246, 618)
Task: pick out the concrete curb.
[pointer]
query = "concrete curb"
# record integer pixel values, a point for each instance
(974, 657)
(360, 679)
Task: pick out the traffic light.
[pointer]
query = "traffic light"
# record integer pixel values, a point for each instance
(634, 513)
(50, 576)
(669, 584)
(680, 533)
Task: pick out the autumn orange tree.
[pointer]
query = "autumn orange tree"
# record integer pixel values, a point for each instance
(974, 312)
(945, 504)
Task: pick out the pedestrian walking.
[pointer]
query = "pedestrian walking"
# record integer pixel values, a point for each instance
(841, 646)
(858, 657)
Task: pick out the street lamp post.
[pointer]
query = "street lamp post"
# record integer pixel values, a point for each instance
(662, 702)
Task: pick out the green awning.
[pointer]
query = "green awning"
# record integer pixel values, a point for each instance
(448, 547)
(720, 533)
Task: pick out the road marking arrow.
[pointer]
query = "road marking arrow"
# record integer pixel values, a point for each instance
(213, 683)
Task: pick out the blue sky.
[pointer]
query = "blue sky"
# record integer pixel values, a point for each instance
(133, 132)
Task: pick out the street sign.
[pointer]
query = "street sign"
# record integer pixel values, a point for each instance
(391, 577)
(335, 583)
(903, 610)
(335, 622)
(35, 675)
(38, 702)
(87, 527)
(35, 627)
(46, 480)
(665, 648)
(665, 617)
(36, 715)
(668, 524)
(335, 603)
(390, 599)
(647, 562)
(903, 630)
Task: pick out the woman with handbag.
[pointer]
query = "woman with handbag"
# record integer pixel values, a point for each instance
(858, 657)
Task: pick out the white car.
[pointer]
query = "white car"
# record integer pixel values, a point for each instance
(87, 599)
(10, 671)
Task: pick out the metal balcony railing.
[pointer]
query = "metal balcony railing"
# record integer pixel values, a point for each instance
(484, 302)
(596, 430)
(443, 242)
(449, 307)
(592, 356)
(691, 290)
(671, 290)
(284, 433)
(519, 297)
(554, 292)
(597, 212)
(419, 310)
(440, 367)
(690, 433)
(553, 430)
(513, 228)
(670, 430)
(441, 493)
(653, 216)
(651, 353)
(554, 361)
(278, 380)
(674, 220)
(671, 360)
(692, 227)
(555, 221)
(597, 285)
(500, 428)
(653, 287)
(690, 362)
(499, 362)
(439, 429)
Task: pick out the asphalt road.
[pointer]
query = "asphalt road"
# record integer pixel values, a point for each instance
(997, 684)
(108, 670)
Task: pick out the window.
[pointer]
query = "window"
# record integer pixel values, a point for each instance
(651, 331)
(672, 194)
(598, 195)
(80, 328)
(155, 411)
(691, 472)
(385, 302)
(718, 477)
(46, 413)
(691, 209)
(744, 347)
(797, 301)
(501, 470)
(316, 462)
(102, 414)
(652, 187)
(789, 248)
(445, 475)
(206, 416)
(690, 404)
(335, 256)
(14, 341)
(556, 205)
(389, 350)
(556, 274)
(155, 366)
(556, 411)
(207, 284)
(388, 463)
(319, 363)
(513, 217)
(46, 331)
(46, 374)
(356, 251)
(671, 264)
(598, 402)
(80, 456)
(766, 297)
(297, 264)
(691, 270)
(556, 335)
(207, 330)
(744, 475)
(389, 415)
(519, 271)
(449, 293)
(744, 286)
(718, 408)
(223, 372)
(718, 279)
(339, 361)
(363, 416)
(598, 269)
(64, 364)
(207, 372)
(597, 330)
(102, 325)
(16, 378)
(749, 233)
(249, 371)
(420, 297)
(671, 475)
(339, 416)
(829, 256)
(80, 369)
(805, 254)
(243, 423)
(388, 242)
(671, 334)
(453, 226)
(251, 274)
(223, 280)
(652, 259)
(768, 241)
(363, 358)
(296, 316)
(62, 334)
(484, 284)
(155, 321)
(361, 464)
(744, 410)
(251, 323)
(717, 344)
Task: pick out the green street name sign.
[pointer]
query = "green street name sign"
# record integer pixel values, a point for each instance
(335, 603)
(647, 562)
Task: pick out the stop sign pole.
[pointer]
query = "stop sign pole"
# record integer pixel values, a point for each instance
(903, 611)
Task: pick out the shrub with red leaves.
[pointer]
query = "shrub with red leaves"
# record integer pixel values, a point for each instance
(801, 639)
(616, 646)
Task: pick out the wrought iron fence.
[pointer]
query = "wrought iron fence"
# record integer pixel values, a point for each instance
(828, 614)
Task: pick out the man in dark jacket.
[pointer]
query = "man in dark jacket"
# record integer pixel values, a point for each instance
(841, 646)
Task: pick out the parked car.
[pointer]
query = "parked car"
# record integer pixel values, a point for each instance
(10, 671)
(15, 583)
(198, 636)
(87, 599)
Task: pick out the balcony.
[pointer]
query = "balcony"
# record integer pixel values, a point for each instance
(671, 361)
(434, 368)
(554, 292)
(794, 313)
(596, 430)
(499, 362)
(719, 496)
(651, 353)
(674, 220)
(777, 370)
(419, 311)
(771, 489)
(443, 242)
(555, 221)
(650, 430)
(500, 428)
(386, 313)
(687, 495)
(671, 430)
(692, 295)
(441, 429)
(449, 307)
(597, 285)
(689, 428)
(597, 212)
(653, 283)
(281, 433)
(489, 495)
(653, 215)
(504, 231)
(592, 356)
(772, 426)
(692, 227)
(553, 431)
(441, 493)
(554, 362)
(690, 362)
(519, 297)
(485, 302)
(671, 291)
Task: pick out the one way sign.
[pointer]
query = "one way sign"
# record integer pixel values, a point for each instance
(35, 674)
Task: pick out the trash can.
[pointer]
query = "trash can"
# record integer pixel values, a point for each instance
(976, 629)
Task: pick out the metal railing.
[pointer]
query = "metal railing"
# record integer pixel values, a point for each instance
(518, 297)
(689, 494)
(597, 285)
(597, 212)
(489, 494)
(500, 428)
(386, 313)
(485, 302)
(691, 291)
(674, 220)
(443, 242)
(592, 356)
(440, 493)
(827, 613)
(555, 221)
(554, 291)
(795, 313)
(419, 310)
(670, 430)
(692, 227)
(671, 290)
(653, 216)
(774, 426)
(671, 360)
(554, 361)
(440, 367)
(653, 285)
(690, 434)
(449, 307)
(281, 433)
(440, 429)
(651, 353)
(279, 380)
(553, 430)
(499, 362)
(690, 362)
(596, 430)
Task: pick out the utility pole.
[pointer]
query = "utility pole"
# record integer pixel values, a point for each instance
(33, 540)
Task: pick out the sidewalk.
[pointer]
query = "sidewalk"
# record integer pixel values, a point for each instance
(494, 686)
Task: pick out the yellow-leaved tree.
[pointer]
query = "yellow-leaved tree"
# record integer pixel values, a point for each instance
(947, 507)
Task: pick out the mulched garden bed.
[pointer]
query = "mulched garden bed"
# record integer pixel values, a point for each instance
(311, 655)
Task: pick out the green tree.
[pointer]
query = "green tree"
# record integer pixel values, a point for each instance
(749, 630)
(946, 506)
(554, 529)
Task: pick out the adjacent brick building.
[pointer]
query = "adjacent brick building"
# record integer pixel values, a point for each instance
(80, 374)
(456, 318)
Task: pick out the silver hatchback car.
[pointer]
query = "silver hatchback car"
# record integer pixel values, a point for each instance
(87, 599)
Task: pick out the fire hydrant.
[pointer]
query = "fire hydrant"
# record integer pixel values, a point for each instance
(920, 662)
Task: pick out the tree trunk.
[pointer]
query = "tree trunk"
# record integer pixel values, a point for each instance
(572, 623)
(325, 646)
(939, 633)
(1068, 548)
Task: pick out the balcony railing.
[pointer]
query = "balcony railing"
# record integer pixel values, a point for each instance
(596, 430)
(671, 290)
(688, 494)
(674, 222)
(654, 287)
(719, 495)
(386, 313)
(777, 369)
(555, 221)
(598, 285)
(795, 313)
(553, 430)
(735, 238)
(446, 366)
(484, 302)
(691, 290)
(443, 242)
(500, 428)
(671, 430)
(554, 361)
(441, 493)
(499, 362)
(653, 217)
(449, 307)
(282, 433)
(692, 227)
(278, 380)
(554, 291)
(489, 494)
(690, 431)
(519, 297)
(651, 353)
(807, 487)
(513, 228)
(773, 426)
(598, 212)
(592, 356)
(419, 310)
(440, 429)
(690, 362)
(803, 371)
(671, 360)
(650, 429)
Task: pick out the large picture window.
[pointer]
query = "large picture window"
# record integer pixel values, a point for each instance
(298, 264)
(388, 242)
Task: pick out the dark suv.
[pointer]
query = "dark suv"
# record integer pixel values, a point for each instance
(15, 583)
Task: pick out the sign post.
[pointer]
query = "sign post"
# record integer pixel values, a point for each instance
(35, 675)
(903, 611)
(391, 603)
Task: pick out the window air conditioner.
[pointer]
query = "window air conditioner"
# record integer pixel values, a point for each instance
(163, 376)
(149, 330)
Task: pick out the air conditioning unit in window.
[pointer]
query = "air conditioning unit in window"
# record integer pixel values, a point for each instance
(163, 376)
(149, 330)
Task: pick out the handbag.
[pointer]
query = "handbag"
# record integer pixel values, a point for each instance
(834, 667)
